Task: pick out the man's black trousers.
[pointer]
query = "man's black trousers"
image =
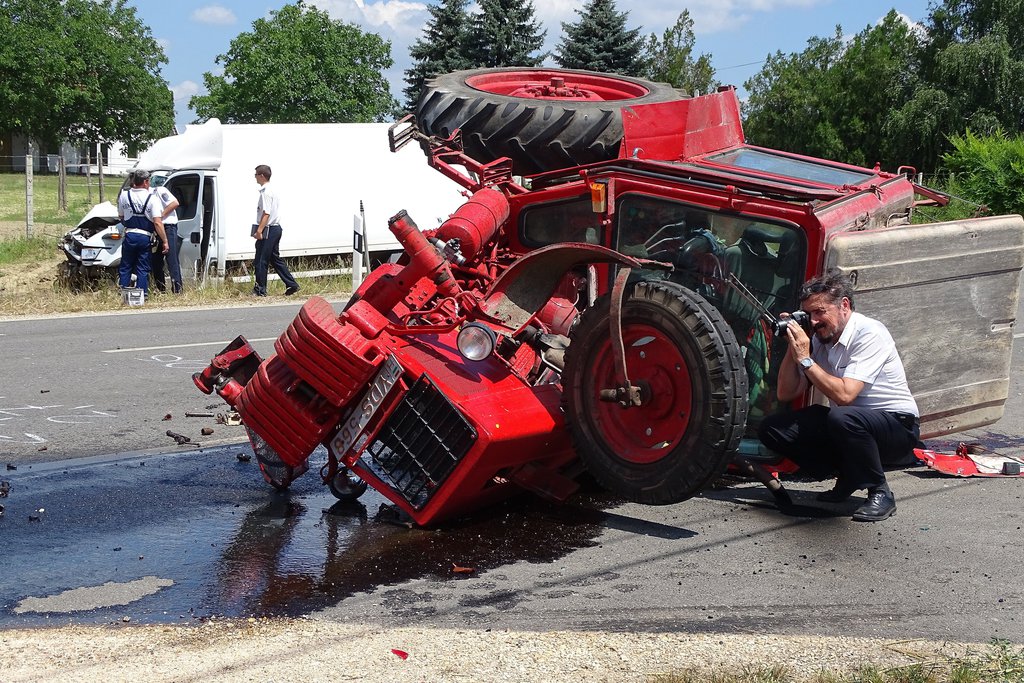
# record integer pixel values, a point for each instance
(858, 443)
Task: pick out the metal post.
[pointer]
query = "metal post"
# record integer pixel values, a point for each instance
(99, 167)
(62, 185)
(88, 172)
(366, 239)
(29, 208)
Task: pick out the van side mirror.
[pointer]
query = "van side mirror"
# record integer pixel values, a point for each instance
(194, 237)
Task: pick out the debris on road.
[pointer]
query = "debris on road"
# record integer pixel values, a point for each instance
(187, 414)
(11, 466)
(243, 457)
(179, 438)
(463, 570)
(42, 448)
(231, 418)
(206, 431)
(5, 488)
(167, 417)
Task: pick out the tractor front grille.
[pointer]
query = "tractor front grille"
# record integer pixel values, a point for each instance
(420, 444)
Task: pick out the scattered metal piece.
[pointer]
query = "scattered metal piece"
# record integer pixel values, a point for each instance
(231, 418)
(42, 448)
(11, 466)
(44, 391)
(1, 510)
(243, 457)
(180, 438)
(167, 417)
(34, 518)
(187, 414)
(5, 488)
(206, 431)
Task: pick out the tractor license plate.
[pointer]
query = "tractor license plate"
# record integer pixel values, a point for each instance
(363, 411)
(90, 254)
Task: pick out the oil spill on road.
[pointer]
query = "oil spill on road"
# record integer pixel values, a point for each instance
(279, 564)
(225, 544)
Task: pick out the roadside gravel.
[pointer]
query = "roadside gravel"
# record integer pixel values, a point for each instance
(311, 650)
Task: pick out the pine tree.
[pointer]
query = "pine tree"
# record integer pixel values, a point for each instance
(600, 41)
(505, 33)
(441, 49)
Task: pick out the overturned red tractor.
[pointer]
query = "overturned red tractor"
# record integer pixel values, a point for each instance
(605, 299)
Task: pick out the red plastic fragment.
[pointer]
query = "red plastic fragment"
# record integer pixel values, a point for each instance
(462, 570)
(401, 654)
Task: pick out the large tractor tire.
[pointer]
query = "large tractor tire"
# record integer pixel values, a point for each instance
(542, 119)
(684, 357)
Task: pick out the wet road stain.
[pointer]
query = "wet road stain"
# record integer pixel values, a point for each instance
(225, 544)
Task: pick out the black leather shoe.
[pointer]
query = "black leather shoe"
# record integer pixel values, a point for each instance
(881, 505)
(840, 492)
(291, 290)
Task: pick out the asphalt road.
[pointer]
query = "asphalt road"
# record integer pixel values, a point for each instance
(90, 385)
(172, 534)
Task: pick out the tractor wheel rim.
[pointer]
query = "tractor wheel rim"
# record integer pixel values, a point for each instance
(556, 85)
(647, 433)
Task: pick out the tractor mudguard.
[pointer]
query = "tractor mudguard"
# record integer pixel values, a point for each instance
(529, 282)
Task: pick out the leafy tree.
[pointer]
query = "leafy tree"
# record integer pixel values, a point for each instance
(786, 99)
(505, 33)
(299, 66)
(670, 59)
(972, 65)
(837, 99)
(600, 41)
(440, 49)
(81, 70)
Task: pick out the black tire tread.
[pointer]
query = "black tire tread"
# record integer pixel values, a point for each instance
(537, 134)
(685, 472)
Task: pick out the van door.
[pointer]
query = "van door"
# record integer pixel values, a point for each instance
(186, 186)
(948, 292)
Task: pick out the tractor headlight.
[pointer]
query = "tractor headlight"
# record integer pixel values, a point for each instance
(476, 341)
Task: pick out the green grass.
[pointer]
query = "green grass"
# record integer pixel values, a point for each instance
(17, 250)
(44, 197)
(1001, 662)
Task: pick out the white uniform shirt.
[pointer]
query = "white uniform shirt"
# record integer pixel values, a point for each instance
(165, 197)
(138, 197)
(866, 352)
(268, 203)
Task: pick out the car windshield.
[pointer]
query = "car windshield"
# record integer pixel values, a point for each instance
(801, 169)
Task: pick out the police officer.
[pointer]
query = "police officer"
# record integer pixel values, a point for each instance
(140, 215)
(169, 215)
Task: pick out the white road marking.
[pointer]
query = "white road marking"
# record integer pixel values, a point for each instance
(181, 346)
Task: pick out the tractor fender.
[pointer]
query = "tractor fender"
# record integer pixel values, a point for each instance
(526, 286)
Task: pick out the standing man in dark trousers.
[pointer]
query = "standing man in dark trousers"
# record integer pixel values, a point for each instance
(140, 215)
(169, 215)
(871, 419)
(267, 233)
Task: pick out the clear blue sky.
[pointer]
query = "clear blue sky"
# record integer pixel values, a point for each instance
(738, 34)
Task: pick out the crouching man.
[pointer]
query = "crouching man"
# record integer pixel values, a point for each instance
(871, 420)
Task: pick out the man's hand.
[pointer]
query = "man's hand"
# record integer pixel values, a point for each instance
(167, 247)
(799, 342)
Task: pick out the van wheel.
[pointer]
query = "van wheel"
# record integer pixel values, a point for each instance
(524, 114)
(686, 361)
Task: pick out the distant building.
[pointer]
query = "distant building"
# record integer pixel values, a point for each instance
(14, 148)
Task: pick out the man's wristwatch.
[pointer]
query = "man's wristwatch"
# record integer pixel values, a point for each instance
(806, 363)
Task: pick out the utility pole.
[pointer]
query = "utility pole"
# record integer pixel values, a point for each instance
(29, 208)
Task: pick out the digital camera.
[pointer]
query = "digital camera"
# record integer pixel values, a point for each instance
(800, 318)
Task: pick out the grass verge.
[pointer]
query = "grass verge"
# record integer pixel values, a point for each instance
(29, 285)
(1002, 662)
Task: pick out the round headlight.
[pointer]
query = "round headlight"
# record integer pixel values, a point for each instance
(476, 341)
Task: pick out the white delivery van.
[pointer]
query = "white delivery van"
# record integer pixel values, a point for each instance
(324, 173)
